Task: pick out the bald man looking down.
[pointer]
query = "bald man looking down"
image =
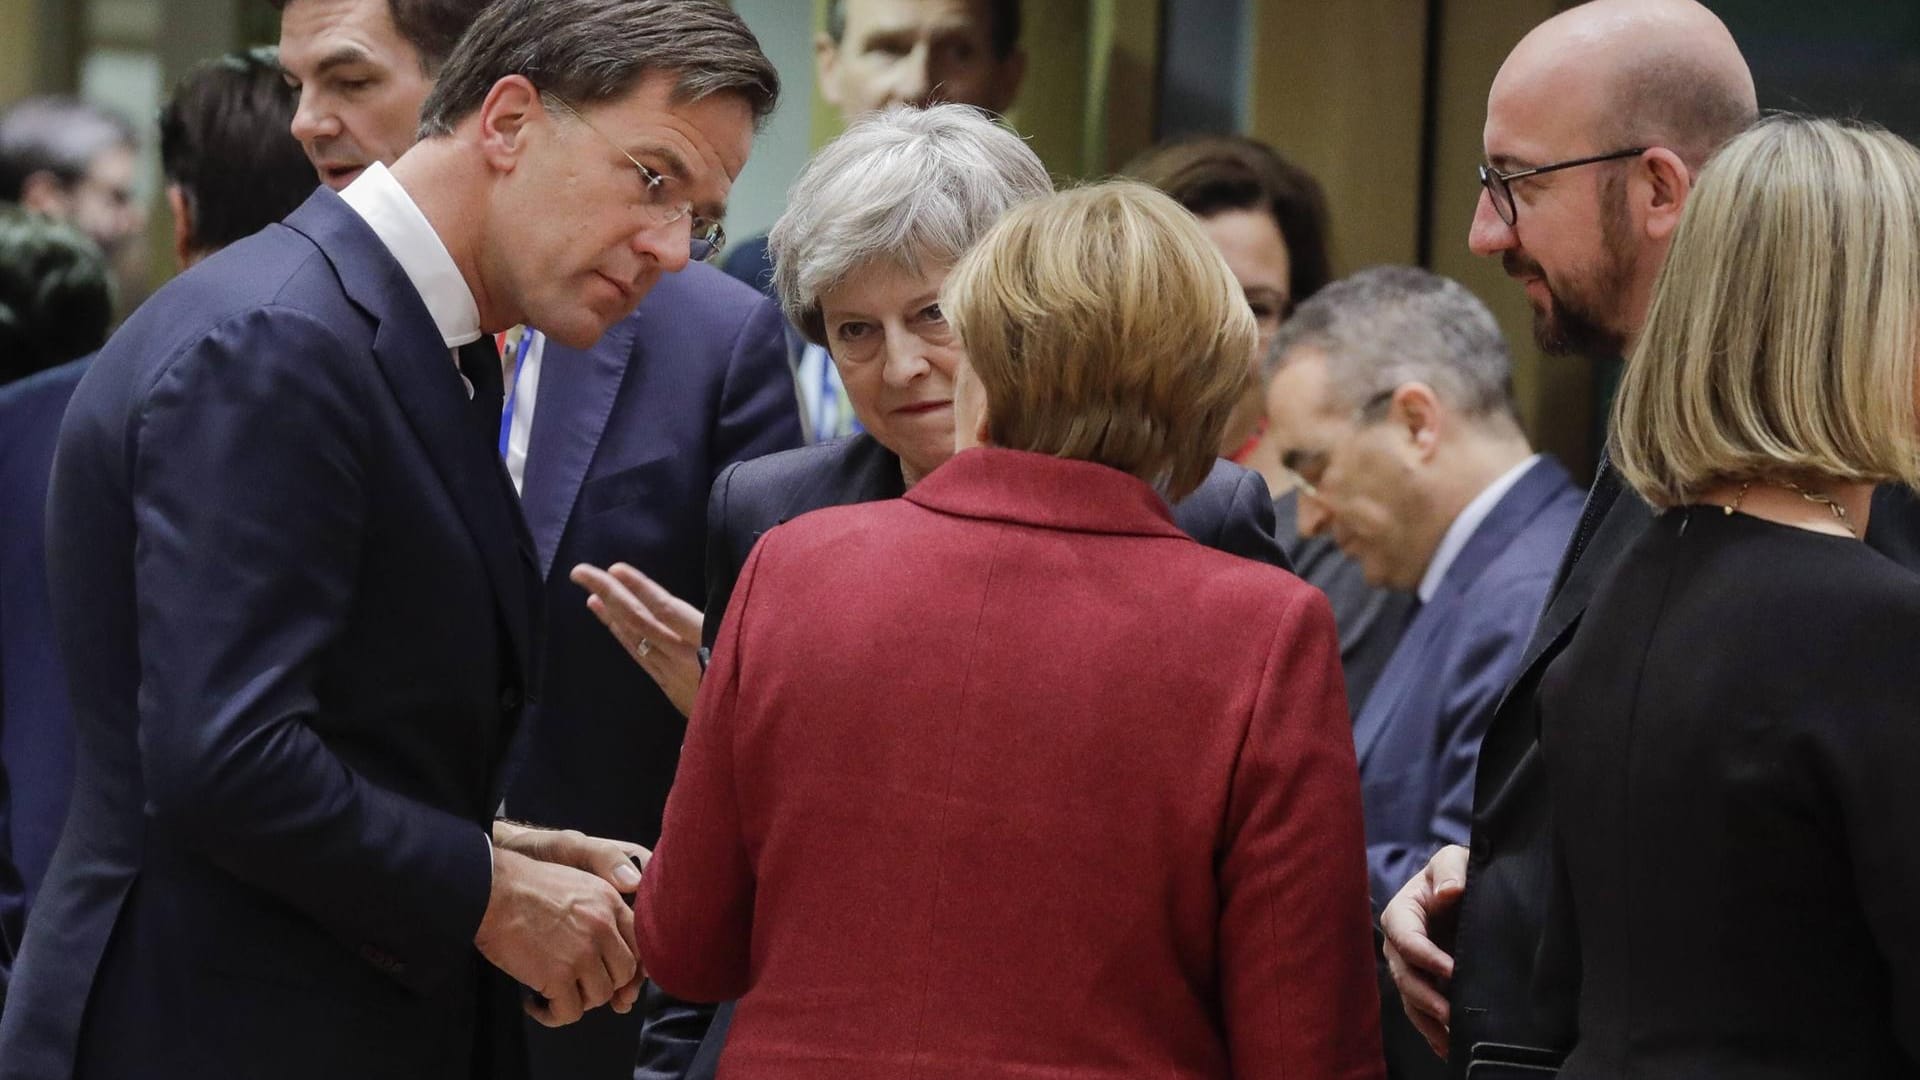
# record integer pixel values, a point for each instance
(1597, 125)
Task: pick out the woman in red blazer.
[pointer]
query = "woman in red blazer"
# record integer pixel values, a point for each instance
(1010, 777)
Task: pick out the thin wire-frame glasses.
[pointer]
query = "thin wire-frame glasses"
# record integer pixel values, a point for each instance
(707, 238)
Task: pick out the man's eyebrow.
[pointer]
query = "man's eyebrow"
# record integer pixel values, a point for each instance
(674, 167)
(341, 56)
(670, 164)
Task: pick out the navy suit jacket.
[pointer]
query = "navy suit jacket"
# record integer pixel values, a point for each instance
(627, 439)
(1230, 511)
(1418, 737)
(297, 604)
(36, 739)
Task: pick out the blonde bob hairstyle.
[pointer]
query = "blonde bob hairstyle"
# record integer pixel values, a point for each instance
(1780, 343)
(1104, 326)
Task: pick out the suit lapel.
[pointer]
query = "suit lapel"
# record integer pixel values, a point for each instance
(577, 393)
(866, 472)
(1491, 538)
(418, 368)
(1608, 524)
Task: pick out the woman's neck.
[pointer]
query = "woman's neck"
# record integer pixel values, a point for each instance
(1834, 507)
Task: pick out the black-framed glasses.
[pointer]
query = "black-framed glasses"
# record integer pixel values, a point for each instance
(707, 238)
(1499, 184)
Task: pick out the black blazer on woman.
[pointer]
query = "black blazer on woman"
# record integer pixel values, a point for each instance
(1732, 767)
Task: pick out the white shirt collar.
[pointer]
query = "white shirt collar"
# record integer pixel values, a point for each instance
(1465, 524)
(394, 217)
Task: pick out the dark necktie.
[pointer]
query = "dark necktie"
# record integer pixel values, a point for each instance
(480, 363)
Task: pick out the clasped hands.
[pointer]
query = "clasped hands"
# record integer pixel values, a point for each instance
(558, 923)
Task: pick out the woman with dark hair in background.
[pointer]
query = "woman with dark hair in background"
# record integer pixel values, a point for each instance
(1268, 217)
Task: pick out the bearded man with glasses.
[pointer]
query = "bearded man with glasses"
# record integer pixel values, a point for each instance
(1597, 125)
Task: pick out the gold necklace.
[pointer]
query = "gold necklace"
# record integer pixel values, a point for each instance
(1839, 512)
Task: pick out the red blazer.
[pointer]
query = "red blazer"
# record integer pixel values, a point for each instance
(1011, 778)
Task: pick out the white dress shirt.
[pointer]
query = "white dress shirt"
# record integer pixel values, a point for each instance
(1465, 524)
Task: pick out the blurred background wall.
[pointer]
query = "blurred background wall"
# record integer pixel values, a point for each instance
(1382, 99)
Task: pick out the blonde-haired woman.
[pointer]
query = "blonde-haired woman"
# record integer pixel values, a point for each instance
(1041, 786)
(1736, 739)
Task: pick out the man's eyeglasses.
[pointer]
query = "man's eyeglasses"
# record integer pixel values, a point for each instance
(1499, 184)
(707, 236)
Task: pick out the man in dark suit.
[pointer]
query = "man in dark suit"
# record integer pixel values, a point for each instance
(613, 449)
(1392, 400)
(299, 603)
(1597, 126)
(231, 111)
(1393, 392)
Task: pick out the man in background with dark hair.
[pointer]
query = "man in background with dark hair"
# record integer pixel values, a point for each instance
(363, 68)
(73, 162)
(877, 53)
(299, 603)
(230, 112)
(230, 165)
(613, 450)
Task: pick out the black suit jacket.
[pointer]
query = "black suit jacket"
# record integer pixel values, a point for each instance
(1730, 744)
(1230, 511)
(297, 605)
(1499, 945)
(627, 439)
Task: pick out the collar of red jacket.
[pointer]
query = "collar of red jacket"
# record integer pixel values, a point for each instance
(1045, 491)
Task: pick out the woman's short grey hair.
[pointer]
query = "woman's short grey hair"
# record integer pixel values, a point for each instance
(908, 188)
(1391, 325)
(590, 51)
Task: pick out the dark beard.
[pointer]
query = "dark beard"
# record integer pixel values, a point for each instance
(1565, 330)
(1572, 327)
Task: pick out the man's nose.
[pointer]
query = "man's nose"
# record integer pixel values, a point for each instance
(911, 80)
(669, 245)
(311, 121)
(1488, 235)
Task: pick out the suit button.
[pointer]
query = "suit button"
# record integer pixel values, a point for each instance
(510, 698)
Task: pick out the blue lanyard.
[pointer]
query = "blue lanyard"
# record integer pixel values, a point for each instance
(826, 410)
(513, 388)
